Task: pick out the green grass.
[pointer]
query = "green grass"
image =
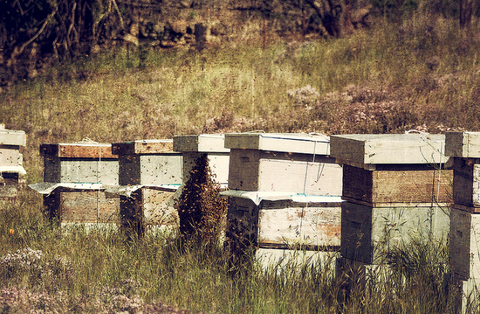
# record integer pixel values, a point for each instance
(422, 74)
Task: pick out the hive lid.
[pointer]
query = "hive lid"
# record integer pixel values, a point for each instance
(13, 137)
(363, 150)
(161, 146)
(78, 150)
(318, 144)
(462, 144)
(12, 169)
(48, 187)
(204, 143)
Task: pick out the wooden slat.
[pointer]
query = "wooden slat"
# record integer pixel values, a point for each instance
(78, 151)
(82, 207)
(407, 186)
(143, 147)
(374, 149)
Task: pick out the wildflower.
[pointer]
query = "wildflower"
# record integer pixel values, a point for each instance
(11, 231)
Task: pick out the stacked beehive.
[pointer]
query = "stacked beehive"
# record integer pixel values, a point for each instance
(396, 187)
(11, 162)
(75, 178)
(150, 174)
(283, 195)
(464, 147)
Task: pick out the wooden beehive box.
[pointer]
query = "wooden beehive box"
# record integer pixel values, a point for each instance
(75, 176)
(193, 146)
(369, 232)
(80, 162)
(386, 169)
(294, 163)
(11, 161)
(464, 148)
(282, 221)
(157, 168)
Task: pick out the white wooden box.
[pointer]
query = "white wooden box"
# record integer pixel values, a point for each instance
(282, 221)
(11, 162)
(283, 259)
(75, 176)
(462, 144)
(368, 233)
(194, 146)
(296, 163)
(80, 162)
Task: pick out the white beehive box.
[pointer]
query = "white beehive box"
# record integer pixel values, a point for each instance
(156, 169)
(76, 175)
(283, 221)
(385, 169)
(194, 146)
(280, 162)
(11, 161)
(368, 233)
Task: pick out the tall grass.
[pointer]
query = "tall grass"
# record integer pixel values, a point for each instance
(99, 271)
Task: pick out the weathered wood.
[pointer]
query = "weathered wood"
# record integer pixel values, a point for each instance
(283, 223)
(158, 207)
(313, 226)
(464, 244)
(462, 144)
(367, 150)
(206, 143)
(78, 150)
(88, 207)
(63, 170)
(256, 170)
(368, 233)
(397, 184)
(280, 142)
(13, 137)
(271, 259)
(10, 155)
(163, 146)
(151, 169)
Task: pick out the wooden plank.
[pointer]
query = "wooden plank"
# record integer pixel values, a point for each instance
(88, 207)
(462, 144)
(466, 182)
(78, 150)
(369, 232)
(13, 137)
(10, 155)
(159, 208)
(280, 142)
(300, 226)
(371, 149)
(253, 170)
(208, 143)
(164, 146)
(464, 240)
(394, 186)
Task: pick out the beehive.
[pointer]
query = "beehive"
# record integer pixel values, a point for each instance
(266, 220)
(280, 162)
(76, 175)
(193, 146)
(156, 170)
(11, 161)
(464, 148)
(396, 188)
